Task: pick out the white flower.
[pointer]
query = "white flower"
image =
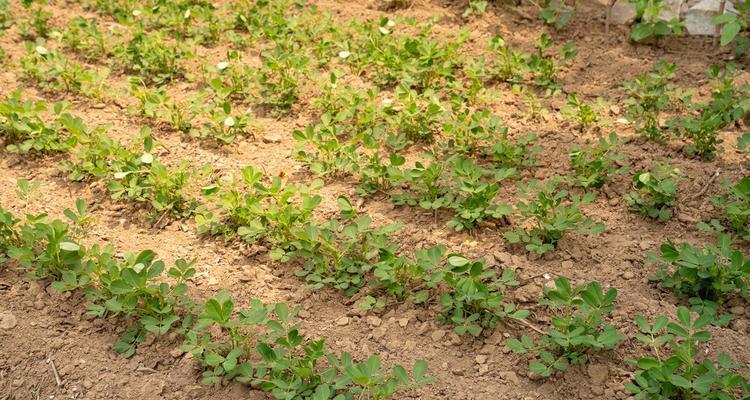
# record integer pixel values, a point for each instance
(187, 14)
(147, 158)
(387, 102)
(391, 23)
(384, 31)
(222, 65)
(229, 122)
(136, 13)
(344, 54)
(42, 50)
(120, 175)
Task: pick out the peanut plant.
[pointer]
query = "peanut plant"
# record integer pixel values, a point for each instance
(577, 327)
(674, 370)
(655, 192)
(550, 212)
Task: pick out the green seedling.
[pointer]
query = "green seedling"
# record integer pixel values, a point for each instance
(551, 212)
(577, 327)
(475, 297)
(655, 192)
(676, 369)
(594, 165)
(714, 272)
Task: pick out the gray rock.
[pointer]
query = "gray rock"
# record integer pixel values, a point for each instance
(510, 376)
(7, 321)
(598, 373)
(271, 138)
(697, 19)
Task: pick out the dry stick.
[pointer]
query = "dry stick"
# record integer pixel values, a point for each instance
(717, 31)
(608, 15)
(528, 324)
(54, 371)
(705, 188)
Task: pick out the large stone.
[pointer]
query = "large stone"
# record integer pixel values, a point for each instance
(698, 18)
(7, 321)
(695, 14)
(598, 373)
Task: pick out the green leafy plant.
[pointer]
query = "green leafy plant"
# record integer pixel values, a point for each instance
(6, 19)
(474, 299)
(282, 361)
(331, 156)
(129, 289)
(729, 103)
(519, 153)
(140, 177)
(405, 278)
(678, 372)
(650, 96)
(468, 132)
(507, 64)
(426, 187)
(225, 125)
(551, 212)
(545, 67)
(279, 76)
(84, 37)
(417, 116)
(151, 56)
(8, 233)
(473, 201)
(341, 252)
(260, 346)
(735, 207)
(27, 191)
(577, 327)
(732, 27)
(51, 69)
(655, 192)
(475, 7)
(375, 175)
(648, 24)
(36, 24)
(580, 112)
(556, 13)
(593, 165)
(255, 208)
(714, 272)
(23, 130)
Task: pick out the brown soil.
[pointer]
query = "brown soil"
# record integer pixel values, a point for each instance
(55, 327)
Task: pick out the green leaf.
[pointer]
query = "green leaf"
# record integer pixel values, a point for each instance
(69, 246)
(539, 369)
(679, 381)
(419, 369)
(729, 32)
(641, 31)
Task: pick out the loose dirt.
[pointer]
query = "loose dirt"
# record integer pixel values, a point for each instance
(39, 326)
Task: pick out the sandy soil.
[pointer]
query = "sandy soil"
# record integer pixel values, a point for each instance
(54, 327)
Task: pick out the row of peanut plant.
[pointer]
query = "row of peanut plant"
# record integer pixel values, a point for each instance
(259, 345)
